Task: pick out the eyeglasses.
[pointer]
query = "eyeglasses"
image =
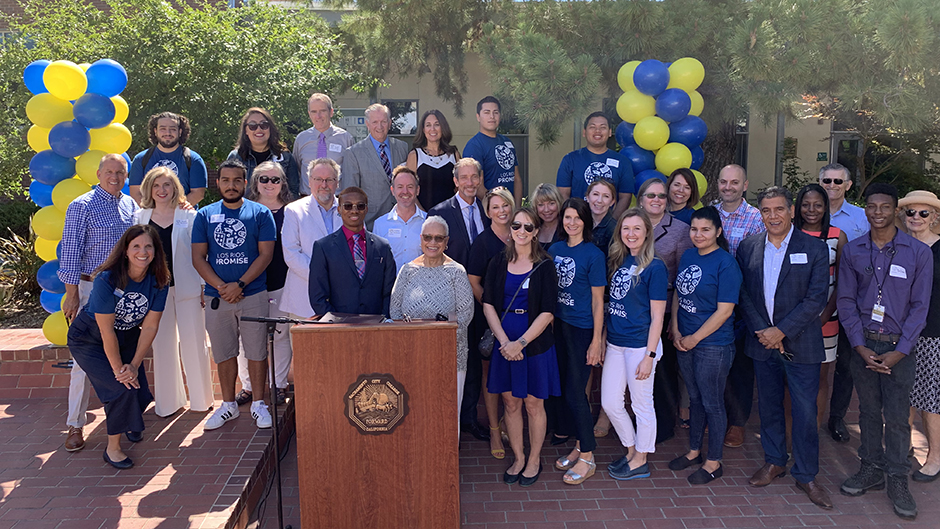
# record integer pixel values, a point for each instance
(435, 238)
(264, 179)
(923, 213)
(321, 181)
(359, 206)
(836, 181)
(253, 125)
(651, 196)
(516, 226)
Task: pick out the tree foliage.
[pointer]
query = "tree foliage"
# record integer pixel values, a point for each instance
(206, 61)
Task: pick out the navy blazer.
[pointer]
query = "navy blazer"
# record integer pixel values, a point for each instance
(801, 294)
(458, 247)
(334, 283)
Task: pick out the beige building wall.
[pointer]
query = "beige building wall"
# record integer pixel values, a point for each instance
(811, 135)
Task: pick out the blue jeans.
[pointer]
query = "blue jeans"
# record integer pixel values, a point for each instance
(774, 376)
(705, 370)
(884, 403)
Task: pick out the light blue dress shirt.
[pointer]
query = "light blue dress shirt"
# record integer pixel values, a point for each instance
(851, 219)
(773, 261)
(403, 237)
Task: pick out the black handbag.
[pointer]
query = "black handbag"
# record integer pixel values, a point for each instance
(486, 341)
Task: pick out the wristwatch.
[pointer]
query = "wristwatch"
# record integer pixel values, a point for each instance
(653, 354)
(241, 284)
(522, 341)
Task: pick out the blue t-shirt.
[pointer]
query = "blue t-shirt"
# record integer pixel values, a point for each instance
(194, 177)
(129, 305)
(702, 283)
(629, 315)
(581, 168)
(233, 236)
(579, 268)
(498, 158)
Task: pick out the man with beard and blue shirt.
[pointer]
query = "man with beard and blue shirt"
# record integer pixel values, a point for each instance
(168, 134)
(495, 152)
(580, 168)
(233, 243)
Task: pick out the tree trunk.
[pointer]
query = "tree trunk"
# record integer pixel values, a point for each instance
(719, 147)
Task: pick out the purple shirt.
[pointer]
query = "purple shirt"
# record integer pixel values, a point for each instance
(904, 267)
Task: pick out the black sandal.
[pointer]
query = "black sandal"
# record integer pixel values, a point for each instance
(243, 397)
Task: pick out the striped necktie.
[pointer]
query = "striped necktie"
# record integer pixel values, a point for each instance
(359, 256)
(385, 163)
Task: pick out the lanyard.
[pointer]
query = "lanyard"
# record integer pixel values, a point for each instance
(871, 266)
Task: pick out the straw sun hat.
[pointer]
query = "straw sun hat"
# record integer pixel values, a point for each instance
(918, 197)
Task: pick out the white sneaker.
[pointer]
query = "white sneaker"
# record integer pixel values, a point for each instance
(226, 412)
(259, 412)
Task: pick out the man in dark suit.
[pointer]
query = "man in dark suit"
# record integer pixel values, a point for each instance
(351, 270)
(466, 219)
(368, 164)
(786, 285)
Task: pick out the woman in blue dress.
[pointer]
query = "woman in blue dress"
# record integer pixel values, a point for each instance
(114, 331)
(519, 299)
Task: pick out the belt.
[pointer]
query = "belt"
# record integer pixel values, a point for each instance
(879, 337)
(86, 277)
(518, 311)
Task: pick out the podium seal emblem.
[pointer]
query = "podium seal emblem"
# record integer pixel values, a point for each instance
(376, 403)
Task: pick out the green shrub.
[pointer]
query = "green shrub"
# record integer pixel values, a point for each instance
(15, 215)
(19, 265)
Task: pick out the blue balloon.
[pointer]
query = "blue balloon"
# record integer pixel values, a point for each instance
(58, 250)
(32, 76)
(94, 111)
(127, 159)
(48, 278)
(698, 157)
(646, 175)
(127, 187)
(50, 168)
(690, 131)
(673, 104)
(69, 139)
(50, 301)
(640, 158)
(624, 134)
(40, 193)
(651, 77)
(106, 77)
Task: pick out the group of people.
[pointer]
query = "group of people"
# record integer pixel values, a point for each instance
(683, 306)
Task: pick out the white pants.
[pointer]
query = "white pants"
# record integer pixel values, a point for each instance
(182, 333)
(283, 354)
(79, 385)
(620, 364)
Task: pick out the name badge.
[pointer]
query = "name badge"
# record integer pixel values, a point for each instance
(118, 292)
(394, 232)
(898, 271)
(181, 223)
(218, 217)
(335, 147)
(737, 233)
(525, 284)
(878, 313)
(613, 162)
(509, 144)
(798, 258)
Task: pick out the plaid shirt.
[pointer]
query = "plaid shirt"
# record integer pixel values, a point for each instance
(740, 224)
(93, 224)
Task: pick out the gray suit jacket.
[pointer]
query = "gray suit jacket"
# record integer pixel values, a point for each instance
(363, 168)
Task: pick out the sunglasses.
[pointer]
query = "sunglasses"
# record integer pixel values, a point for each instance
(349, 206)
(516, 226)
(836, 181)
(253, 126)
(264, 179)
(435, 238)
(923, 213)
(651, 196)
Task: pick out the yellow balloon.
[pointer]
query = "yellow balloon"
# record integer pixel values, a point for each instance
(686, 73)
(47, 110)
(634, 106)
(625, 76)
(38, 138)
(62, 301)
(121, 111)
(48, 223)
(701, 181)
(45, 248)
(651, 133)
(87, 166)
(84, 66)
(698, 103)
(698, 205)
(673, 156)
(115, 138)
(66, 191)
(65, 80)
(56, 329)
(632, 201)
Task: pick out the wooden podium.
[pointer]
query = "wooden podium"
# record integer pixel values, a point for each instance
(377, 424)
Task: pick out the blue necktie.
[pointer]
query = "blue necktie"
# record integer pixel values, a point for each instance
(473, 224)
(359, 256)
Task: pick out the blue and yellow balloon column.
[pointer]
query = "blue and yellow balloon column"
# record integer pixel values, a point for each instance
(661, 129)
(77, 115)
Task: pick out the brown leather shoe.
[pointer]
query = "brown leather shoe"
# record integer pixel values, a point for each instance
(735, 437)
(817, 494)
(766, 474)
(74, 442)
